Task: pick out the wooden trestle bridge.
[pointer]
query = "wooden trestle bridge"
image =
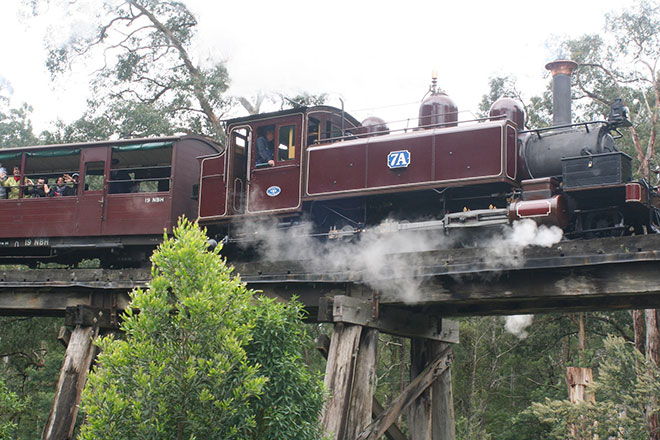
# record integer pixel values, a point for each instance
(598, 274)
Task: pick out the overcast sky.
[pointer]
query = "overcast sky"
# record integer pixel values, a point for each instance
(374, 55)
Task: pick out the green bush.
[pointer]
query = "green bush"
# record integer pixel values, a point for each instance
(203, 358)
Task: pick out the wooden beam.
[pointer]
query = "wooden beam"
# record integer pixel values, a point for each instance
(393, 432)
(395, 321)
(420, 410)
(364, 384)
(339, 370)
(442, 405)
(431, 415)
(84, 315)
(77, 361)
(409, 394)
(64, 336)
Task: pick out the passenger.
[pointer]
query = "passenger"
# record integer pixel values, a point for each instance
(61, 188)
(41, 189)
(13, 183)
(3, 177)
(72, 182)
(120, 180)
(266, 148)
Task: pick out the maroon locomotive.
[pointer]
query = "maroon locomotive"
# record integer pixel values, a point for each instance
(320, 165)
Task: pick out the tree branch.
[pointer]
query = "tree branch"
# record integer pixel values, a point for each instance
(192, 69)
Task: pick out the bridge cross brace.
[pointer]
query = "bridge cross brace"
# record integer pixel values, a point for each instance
(351, 411)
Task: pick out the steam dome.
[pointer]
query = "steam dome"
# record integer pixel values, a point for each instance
(374, 126)
(438, 109)
(511, 108)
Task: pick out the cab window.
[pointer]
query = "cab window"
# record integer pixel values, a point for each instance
(264, 146)
(286, 149)
(313, 131)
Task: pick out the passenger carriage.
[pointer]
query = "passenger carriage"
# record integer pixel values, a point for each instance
(129, 193)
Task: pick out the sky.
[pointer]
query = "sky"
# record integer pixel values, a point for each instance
(375, 56)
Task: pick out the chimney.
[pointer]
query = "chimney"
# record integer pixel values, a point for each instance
(561, 90)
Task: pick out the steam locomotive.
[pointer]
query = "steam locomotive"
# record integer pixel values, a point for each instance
(320, 166)
(343, 176)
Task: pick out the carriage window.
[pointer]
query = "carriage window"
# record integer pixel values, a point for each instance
(141, 168)
(286, 149)
(51, 172)
(94, 176)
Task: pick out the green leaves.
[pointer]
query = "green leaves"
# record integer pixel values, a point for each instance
(10, 406)
(202, 358)
(147, 80)
(16, 127)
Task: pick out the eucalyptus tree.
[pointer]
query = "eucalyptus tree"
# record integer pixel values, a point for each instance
(15, 125)
(623, 63)
(148, 80)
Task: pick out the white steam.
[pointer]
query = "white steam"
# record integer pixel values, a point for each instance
(384, 258)
(517, 325)
(506, 250)
(384, 261)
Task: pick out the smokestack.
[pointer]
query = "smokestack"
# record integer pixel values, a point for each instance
(561, 90)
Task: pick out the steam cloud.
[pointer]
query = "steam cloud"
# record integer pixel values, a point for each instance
(506, 250)
(386, 260)
(517, 324)
(373, 259)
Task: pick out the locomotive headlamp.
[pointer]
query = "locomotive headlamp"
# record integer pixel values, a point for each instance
(618, 114)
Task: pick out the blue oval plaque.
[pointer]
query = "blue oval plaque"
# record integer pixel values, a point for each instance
(273, 191)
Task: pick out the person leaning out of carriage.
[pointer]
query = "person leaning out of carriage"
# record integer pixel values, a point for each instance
(41, 189)
(12, 183)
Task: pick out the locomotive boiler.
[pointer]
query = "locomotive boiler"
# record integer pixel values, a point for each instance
(344, 177)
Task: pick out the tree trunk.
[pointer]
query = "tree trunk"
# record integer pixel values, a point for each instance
(652, 343)
(652, 336)
(638, 327)
(578, 380)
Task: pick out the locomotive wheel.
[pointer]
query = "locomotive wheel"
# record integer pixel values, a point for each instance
(603, 224)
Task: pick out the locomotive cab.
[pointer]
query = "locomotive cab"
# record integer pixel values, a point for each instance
(262, 170)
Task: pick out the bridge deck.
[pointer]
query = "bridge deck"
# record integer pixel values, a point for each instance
(574, 275)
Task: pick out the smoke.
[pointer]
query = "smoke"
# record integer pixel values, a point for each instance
(384, 257)
(517, 325)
